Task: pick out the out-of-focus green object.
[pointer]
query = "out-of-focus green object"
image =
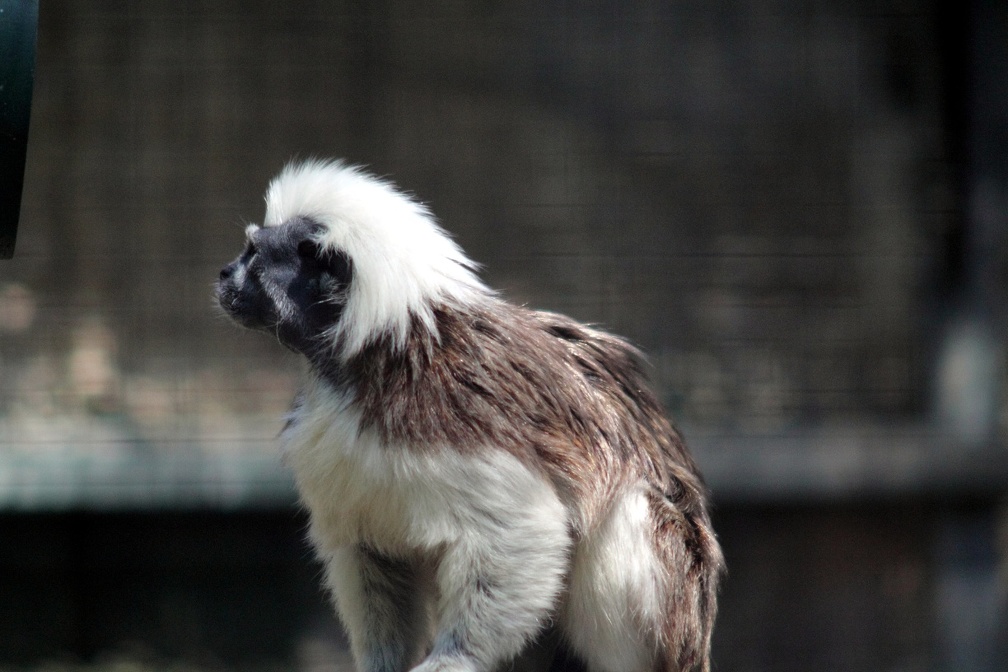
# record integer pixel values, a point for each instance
(18, 31)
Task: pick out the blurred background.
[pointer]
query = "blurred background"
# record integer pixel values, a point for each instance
(796, 208)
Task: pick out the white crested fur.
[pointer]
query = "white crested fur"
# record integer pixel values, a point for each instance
(615, 595)
(403, 262)
(474, 518)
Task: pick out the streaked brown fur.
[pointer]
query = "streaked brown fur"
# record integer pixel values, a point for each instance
(567, 400)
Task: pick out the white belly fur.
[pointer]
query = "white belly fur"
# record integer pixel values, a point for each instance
(408, 501)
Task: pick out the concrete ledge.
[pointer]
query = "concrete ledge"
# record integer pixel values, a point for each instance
(852, 461)
(97, 466)
(149, 480)
(88, 463)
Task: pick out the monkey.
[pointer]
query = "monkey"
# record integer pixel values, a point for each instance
(475, 472)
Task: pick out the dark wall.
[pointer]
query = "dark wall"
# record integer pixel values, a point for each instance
(207, 588)
(838, 588)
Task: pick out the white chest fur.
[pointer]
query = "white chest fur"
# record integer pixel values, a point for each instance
(358, 488)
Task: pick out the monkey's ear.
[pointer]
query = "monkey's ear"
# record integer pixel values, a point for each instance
(331, 261)
(309, 249)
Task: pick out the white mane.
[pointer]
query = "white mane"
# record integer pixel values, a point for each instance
(403, 262)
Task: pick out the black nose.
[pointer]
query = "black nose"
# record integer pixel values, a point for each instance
(227, 271)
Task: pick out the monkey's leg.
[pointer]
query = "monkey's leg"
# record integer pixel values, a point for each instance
(618, 595)
(496, 592)
(380, 601)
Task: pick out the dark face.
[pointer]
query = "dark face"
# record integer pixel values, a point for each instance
(285, 284)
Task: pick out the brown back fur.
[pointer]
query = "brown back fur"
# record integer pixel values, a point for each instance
(568, 400)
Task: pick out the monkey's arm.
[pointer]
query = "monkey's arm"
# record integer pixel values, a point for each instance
(498, 586)
(380, 601)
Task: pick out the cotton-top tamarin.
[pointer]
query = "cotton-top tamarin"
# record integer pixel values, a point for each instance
(475, 471)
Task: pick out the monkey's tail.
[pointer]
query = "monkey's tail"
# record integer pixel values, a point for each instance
(685, 545)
